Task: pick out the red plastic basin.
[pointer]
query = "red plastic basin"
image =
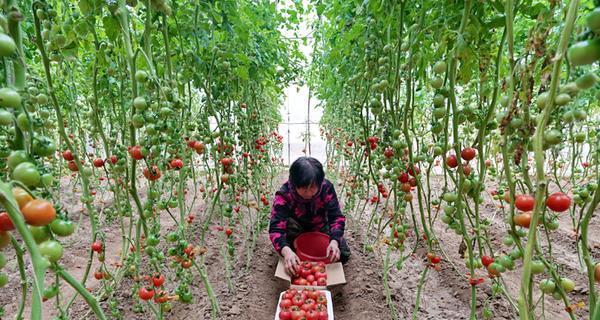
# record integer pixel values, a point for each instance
(312, 246)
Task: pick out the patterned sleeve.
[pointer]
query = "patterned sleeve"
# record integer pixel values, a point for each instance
(278, 224)
(337, 220)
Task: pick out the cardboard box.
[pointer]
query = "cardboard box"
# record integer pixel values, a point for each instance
(335, 275)
(329, 305)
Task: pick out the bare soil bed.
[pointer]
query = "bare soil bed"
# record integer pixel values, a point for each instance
(445, 295)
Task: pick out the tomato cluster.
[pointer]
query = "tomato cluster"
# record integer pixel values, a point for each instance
(42, 220)
(303, 305)
(311, 273)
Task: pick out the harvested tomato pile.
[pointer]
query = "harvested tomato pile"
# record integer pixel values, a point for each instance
(306, 304)
(311, 274)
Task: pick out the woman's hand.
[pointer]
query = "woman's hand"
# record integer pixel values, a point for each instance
(290, 260)
(333, 251)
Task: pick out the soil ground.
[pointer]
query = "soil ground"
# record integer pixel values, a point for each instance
(445, 294)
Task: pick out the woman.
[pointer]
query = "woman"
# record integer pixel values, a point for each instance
(307, 202)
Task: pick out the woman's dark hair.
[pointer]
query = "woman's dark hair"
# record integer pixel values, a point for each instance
(305, 171)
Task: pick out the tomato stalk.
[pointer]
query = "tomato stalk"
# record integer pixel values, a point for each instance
(415, 313)
(583, 243)
(24, 283)
(525, 312)
(91, 301)
(387, 266)
(457, 148)
(214, 304)
(63, 134)
(15, 76)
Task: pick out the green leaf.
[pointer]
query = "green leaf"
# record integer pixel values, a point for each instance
(111, 27)
(242, 72)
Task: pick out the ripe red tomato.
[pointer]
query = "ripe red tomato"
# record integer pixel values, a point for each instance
(176, 163)
(413, 170)
(487, 260)
(451, 161)
(228, 232)
(298, 315)
(68, 155)
(320, 275)
(152, 174)
(322, 299)
(98, 163)
(285, 315)
(113, 159)
(136, 153)
(97, 246)
(38, 212)
(99, 275)
(467, 170)
(297, 300)
(285, 303)
(5, 223)
(309, 304)
(199, 147)
(322, 282)
(72, 166)
(323, 315)
(312, 315)
(388, 152)
(403, 177)
(524, 202)
(468, 153)
(146, 293)
(558, 202)
(158, 280)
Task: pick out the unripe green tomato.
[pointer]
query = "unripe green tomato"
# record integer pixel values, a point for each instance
(51, 249)
(450, 196)
(498, 267)
(542, 100)
(506, 262)
(9, 98)
(516, 254)
(439, 67)
(16, 157)
(437, 82)
(508, 241)
(23, 122)
(141, 76)
(562, 99)
(547, 286)
(580, 115)
(3, 279)
(27, 173)
(567, 284)
(139, 103)
(552, 224)
(556, 295)
(580, 137)
(586, 81)
(537, 267)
